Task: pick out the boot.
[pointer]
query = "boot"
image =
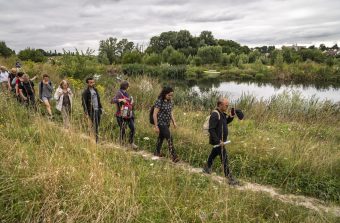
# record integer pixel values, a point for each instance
(232, 181)
(207, 170)
(175, 159)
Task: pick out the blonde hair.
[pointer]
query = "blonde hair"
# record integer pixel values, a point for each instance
(63, 82)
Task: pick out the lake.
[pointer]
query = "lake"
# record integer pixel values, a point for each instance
(234, 89)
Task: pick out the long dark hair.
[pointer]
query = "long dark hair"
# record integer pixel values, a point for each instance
(164, 92)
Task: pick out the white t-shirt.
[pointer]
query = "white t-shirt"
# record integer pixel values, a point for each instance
(4, 76)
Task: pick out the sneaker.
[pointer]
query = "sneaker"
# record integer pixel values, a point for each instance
(207, 170)
(233, 181)
(133, 146)
(175, 159)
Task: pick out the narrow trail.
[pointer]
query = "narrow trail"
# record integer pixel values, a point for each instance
(298, 200)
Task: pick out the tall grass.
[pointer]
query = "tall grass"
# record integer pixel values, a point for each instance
(287, 141)
(51, 175)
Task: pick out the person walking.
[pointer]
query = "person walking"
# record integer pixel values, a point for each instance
(218, 135)
(4, 80)
(45, 93)
(92, 105)
(26, 91)
(125, 114)
(63, 95)
(162, 116)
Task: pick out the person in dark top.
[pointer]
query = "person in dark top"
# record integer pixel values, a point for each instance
(162, 116)
(218, 134)
(91, 105)
(26, 91)
(124, 113)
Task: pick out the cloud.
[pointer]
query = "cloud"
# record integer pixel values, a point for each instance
(58, 24)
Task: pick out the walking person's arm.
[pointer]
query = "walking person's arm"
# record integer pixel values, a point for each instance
(155, 113)
(213, 125)
(173, 120)
(22, 95)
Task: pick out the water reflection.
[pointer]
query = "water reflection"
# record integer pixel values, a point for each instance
(265, 90)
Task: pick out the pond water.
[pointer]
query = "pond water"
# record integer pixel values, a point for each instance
(234, 89)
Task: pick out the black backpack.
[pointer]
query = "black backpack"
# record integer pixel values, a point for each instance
(151, 113)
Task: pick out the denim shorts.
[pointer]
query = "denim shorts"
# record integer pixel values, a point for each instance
(46, 98)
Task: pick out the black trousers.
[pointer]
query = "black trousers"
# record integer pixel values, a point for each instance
(95, 118)
(224, 159)
(164, 133)
(128, 122)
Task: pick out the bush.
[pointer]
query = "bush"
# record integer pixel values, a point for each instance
(152, 59)
(132, 57)
(210, 54)
(175, 72)
(177, 58)
(133, 69)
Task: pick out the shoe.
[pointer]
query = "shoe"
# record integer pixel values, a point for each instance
(207, 170)
(232, 181)
(133, 146)
(159, 154)
(175, 159)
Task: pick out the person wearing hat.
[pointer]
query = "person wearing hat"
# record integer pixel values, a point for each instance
(4, 80)
(218, 135)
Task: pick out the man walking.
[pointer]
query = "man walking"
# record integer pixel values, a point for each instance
(218, 134)
(91, 104)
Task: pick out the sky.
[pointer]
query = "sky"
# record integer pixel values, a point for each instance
(70, 24)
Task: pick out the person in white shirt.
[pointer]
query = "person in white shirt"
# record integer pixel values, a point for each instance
(4, 80)
(63, 95)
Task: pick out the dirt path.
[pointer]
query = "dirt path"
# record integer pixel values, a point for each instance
(298, 200)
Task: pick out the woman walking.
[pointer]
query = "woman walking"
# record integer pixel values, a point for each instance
(162, 117)
(63, 95)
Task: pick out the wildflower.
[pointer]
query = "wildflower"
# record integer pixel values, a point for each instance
(151, 164)
(184, 113)
(146, 138)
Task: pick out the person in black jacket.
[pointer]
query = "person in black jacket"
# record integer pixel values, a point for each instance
(91, 104)
(218, 134)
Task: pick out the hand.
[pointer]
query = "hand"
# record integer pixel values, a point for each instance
(156, 129)
(25, 98)
(123, 100)
(175, 125)
(221, 143)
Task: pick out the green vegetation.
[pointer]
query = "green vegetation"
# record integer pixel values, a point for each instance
(50, 175)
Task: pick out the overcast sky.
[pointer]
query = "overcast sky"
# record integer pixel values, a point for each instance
(69, 24)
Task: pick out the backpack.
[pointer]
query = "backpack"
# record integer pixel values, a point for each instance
(206, 122)
(152, 109)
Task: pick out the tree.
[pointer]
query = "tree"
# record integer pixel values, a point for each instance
(5, 51)
(109, 48)
(254, 55)
(207, 38)
(322, 47)
(210, 54)
(124, 46)
(279, 60)
(32, 54)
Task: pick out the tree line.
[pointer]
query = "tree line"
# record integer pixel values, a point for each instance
(182, 47)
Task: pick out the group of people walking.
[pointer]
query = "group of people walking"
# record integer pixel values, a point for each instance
(161, 115)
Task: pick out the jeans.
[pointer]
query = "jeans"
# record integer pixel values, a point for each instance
(95, 118)
(128, 122)
(224, 159)
(164, 133)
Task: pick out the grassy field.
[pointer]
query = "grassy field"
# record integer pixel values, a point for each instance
(287, 141)
(49, 175)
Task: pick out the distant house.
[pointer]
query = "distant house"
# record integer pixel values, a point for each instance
(295, 47)
(332, 52)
